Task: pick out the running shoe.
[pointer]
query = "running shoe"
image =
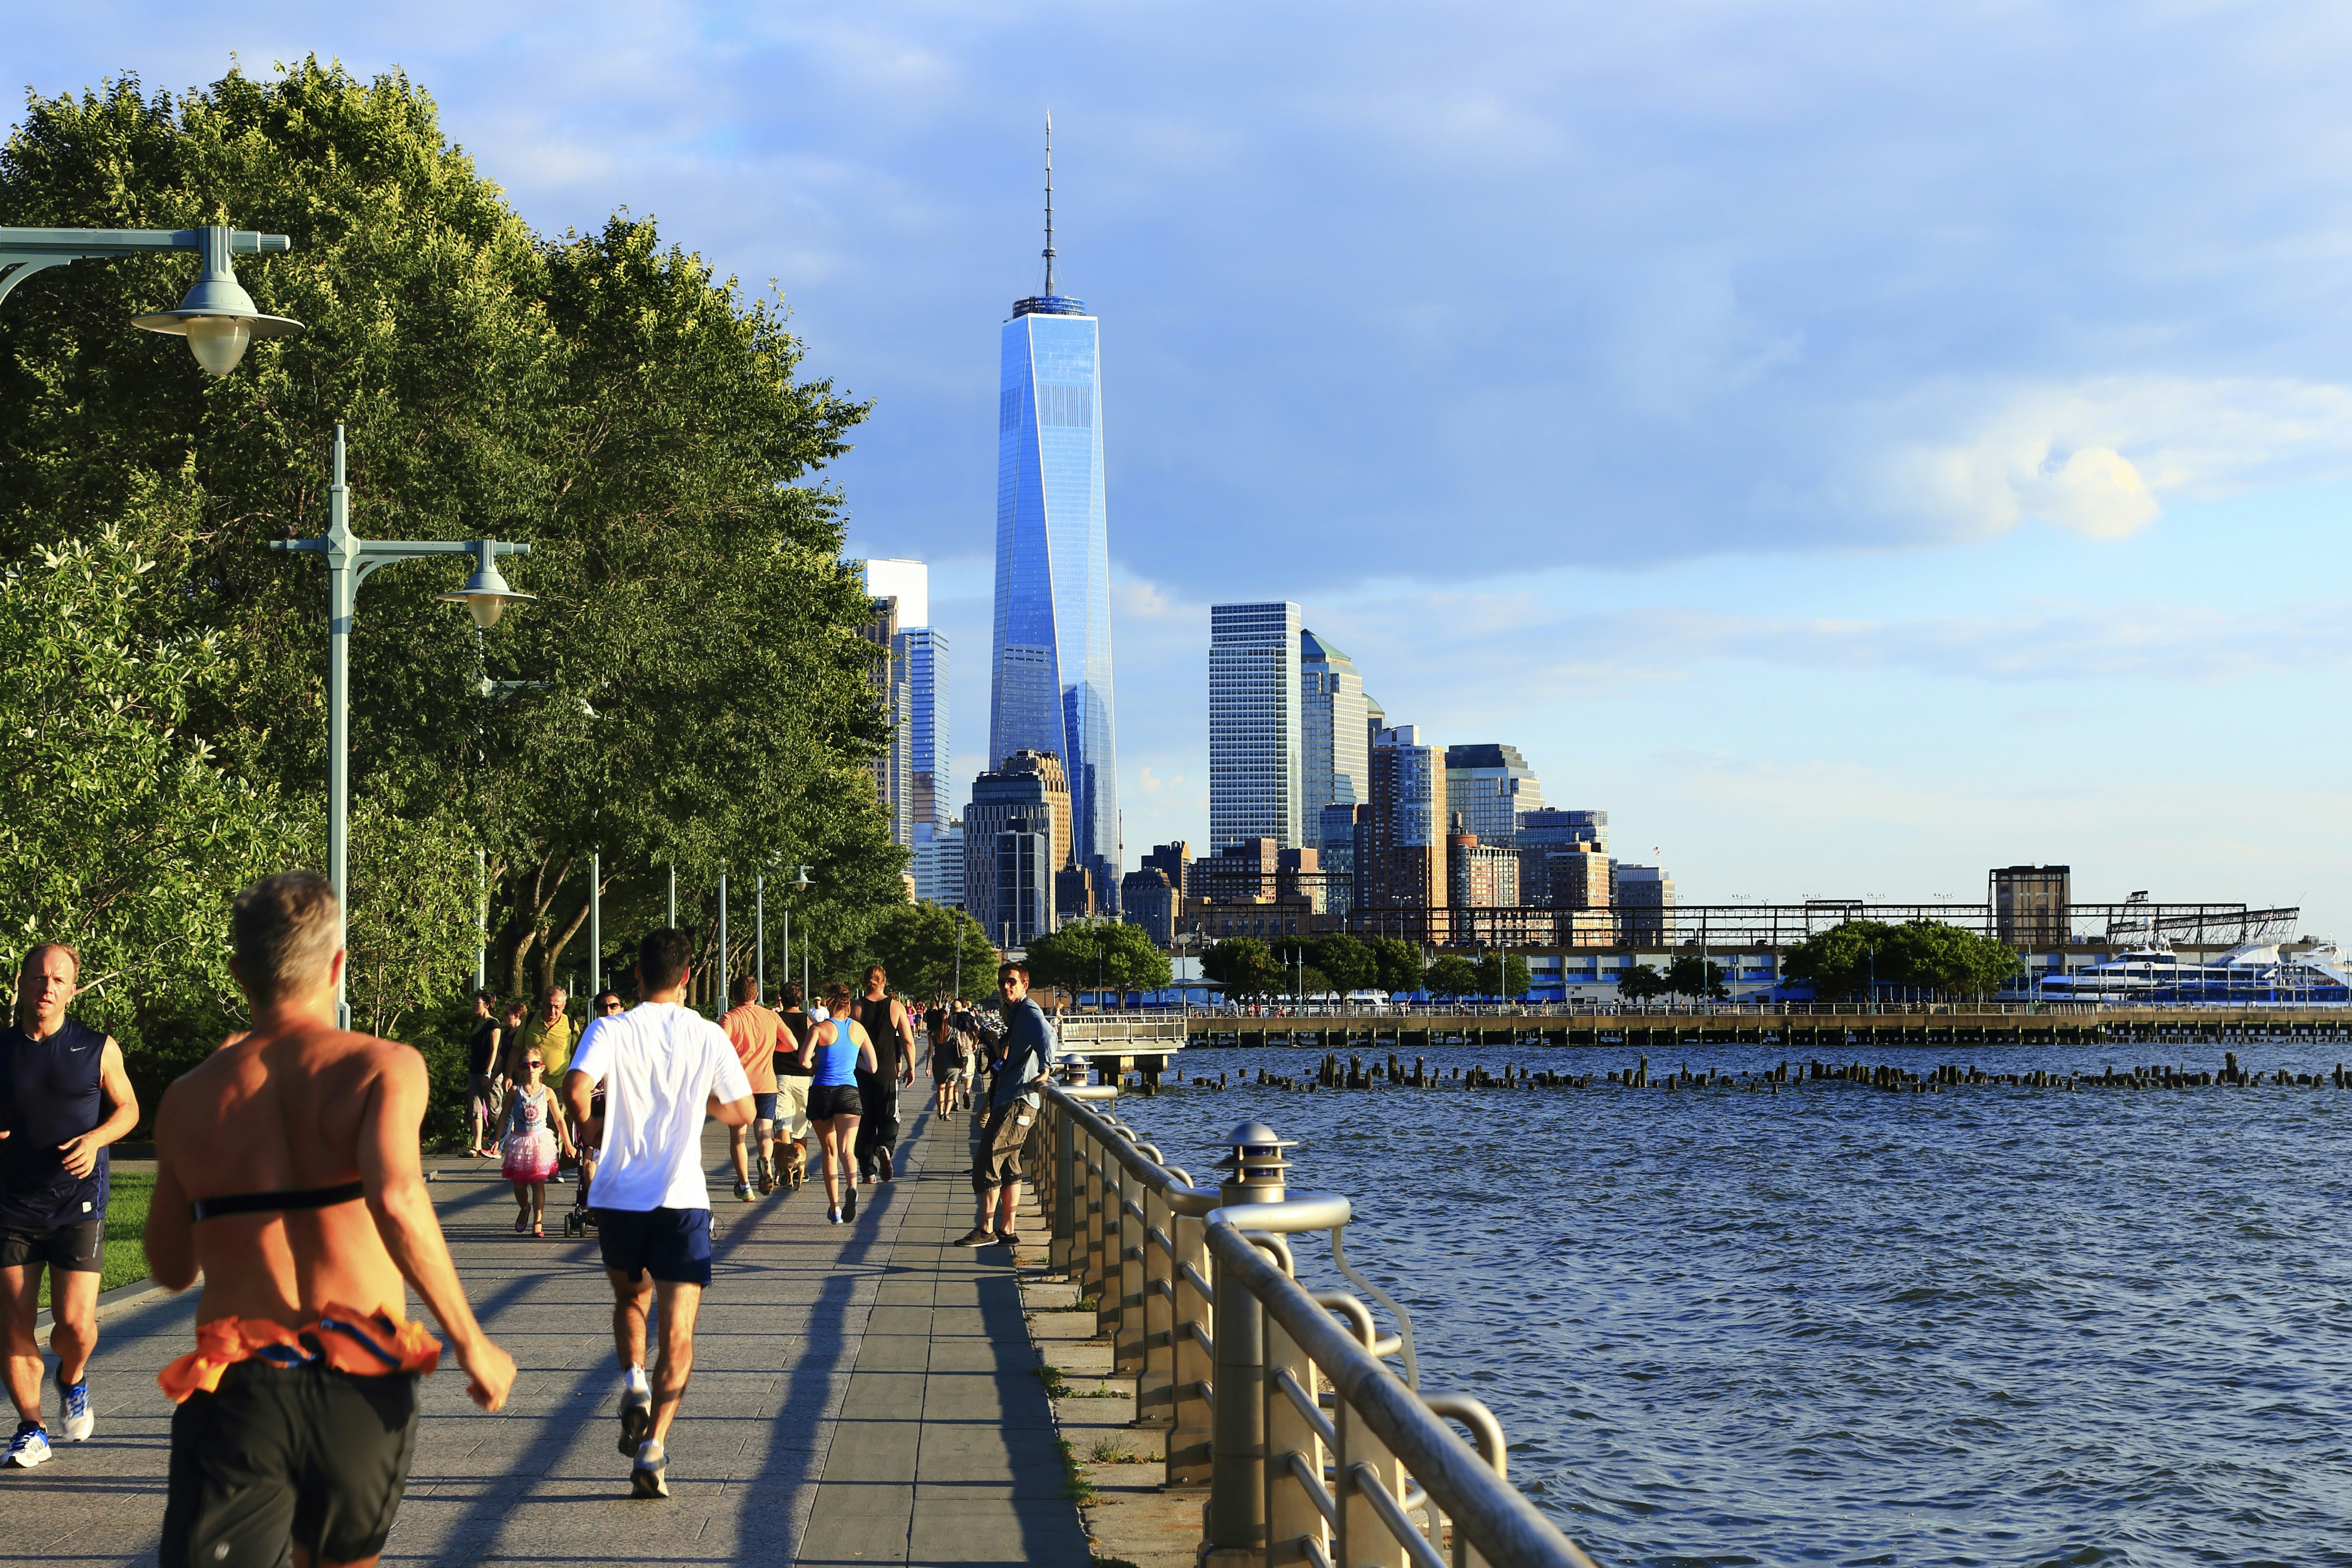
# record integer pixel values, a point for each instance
(649, 1476)
(976, 1236)
(888, 1173)
(849, 1206)
(30, 1447)
(80, 1422)
(833, 1214)
(1008, 1238)
(636, 1417)
(743, 1192)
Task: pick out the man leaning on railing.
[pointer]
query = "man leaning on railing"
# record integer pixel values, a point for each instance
(1024, 1055)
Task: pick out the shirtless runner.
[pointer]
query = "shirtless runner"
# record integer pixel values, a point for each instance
(287, 1172)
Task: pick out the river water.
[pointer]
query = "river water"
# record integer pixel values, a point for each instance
(1840, 1325)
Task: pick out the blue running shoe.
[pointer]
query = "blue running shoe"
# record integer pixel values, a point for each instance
(79, 1420)
(30, 1447)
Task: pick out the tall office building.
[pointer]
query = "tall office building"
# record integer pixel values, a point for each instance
(1050, 676)
(914, 779)
(1253, 729)
(1490, 785)
(1564, 860)
(1335, 748)
(2032, 905)
(1336, 849)
(1401, 843)
(894, 768)
(1646, 896)
(1016, 839)
(1376, 719)
(1174, 860)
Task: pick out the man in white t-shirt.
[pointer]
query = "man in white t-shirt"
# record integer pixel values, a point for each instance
(663, 1068)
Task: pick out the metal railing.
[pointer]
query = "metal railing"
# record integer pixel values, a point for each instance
(1278, 1399)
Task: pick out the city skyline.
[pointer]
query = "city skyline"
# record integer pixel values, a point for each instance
(1814, 419)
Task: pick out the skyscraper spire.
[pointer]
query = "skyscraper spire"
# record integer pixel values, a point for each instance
(1049, 203)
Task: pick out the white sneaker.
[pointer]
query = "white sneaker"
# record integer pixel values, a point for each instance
(79, 1423)
(637, 1416)
(649, 1476)
(30, 1447)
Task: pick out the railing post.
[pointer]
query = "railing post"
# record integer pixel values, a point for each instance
(1233, 1531)
(1155, 1381)
(1101, 1215)
(1364, 1538)
(1134, 1242)
(1190, 1432)
(1065, 1228)
(1290, 1517)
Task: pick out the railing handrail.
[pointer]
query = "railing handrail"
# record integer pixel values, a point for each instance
(1497, 1518)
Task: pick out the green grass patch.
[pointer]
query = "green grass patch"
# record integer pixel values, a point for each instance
(1080, 1489)
(126, 1225)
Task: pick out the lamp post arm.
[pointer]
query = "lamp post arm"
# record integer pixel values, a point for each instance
(25, 251)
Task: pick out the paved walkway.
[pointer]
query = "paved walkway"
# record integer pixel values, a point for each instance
(863, 1393)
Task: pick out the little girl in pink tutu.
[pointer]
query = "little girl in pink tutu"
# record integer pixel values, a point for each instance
(528, 1145)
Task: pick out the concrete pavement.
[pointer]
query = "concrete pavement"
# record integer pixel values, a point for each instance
(862, 1393)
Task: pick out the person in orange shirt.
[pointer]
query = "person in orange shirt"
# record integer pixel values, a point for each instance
(758, 1034)
(287, 1174)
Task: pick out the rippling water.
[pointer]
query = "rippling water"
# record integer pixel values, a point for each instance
(1839, 1325)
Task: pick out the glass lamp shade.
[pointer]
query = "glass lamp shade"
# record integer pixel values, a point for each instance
(218, 341)
(486, 597)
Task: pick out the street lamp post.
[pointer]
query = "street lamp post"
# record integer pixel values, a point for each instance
(350, 561)
(217, 317)
(802, 885)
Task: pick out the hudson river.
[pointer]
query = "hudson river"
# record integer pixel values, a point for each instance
(1842, 1325)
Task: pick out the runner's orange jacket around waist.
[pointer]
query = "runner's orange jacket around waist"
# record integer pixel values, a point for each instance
(366, 1344)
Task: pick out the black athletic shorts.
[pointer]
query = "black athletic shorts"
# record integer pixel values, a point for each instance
(668, 1244)
(303, 1455)
(78, 1249)
(998, 1161)
(827, 1100)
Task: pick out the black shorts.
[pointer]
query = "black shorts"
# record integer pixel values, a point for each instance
(668, 1244)
(827, 1100)
(306, 1455)
(67, 1249)
(998, 1161)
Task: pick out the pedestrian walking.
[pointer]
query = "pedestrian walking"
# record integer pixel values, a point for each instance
(793, 1134)
(888, 1027)
(1024, 1055)
(482, 1051)
(64, 1097)
(586, 1136)
(550, 1033)
(288, 1176)
(663, 1066)
(950, 1055)
(529, 1143)
(838, 1052)
(757, 1035)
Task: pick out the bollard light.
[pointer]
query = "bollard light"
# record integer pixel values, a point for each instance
(1256, 1162)
(217, 317)
(485, 595)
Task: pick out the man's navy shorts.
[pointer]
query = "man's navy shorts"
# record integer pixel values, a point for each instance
(668, 1244)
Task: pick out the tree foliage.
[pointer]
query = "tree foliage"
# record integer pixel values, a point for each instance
(1641, 983)
(1076, 955)
(919, 945)
(1451, 974)
(1921, 955)
(1687, 974)
(1245, 967)
(1503, 975)
(690, 686)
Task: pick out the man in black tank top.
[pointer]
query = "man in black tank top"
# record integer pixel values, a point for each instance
(64, 1097)
(887, 1026)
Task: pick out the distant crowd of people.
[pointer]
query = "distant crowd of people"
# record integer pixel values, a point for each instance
(289, 1177)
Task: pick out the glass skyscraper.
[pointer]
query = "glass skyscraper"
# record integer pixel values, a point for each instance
(1050, 678)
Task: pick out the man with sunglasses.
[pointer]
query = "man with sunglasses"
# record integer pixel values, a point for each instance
(590, 1133)
(1024, 1055)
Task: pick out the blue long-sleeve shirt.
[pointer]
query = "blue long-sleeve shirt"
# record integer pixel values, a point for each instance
(1028, 1054)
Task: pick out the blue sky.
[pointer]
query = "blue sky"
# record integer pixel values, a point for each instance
(1854, 445)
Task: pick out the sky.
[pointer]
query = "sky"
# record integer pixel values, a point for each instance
(1854, 446)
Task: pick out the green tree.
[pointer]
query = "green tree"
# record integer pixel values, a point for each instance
(1641, 983)
(919, 945)
(1347, 964)
(691, 687)
(1501, 975)
(1118, 955)
(1245, 967)
(1452, 975)
(1689, 975)
(1399, 965)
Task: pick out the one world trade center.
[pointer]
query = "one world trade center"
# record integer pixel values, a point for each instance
(1051, 680)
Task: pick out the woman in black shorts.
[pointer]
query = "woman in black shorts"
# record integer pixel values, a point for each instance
(837, 1048)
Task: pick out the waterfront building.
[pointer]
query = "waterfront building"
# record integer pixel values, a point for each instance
(1564, 859)
(939, 865)
(1074, 894)
(1646, 894)
(1335, 748)
(1255, 761)
(1050, 671)
(1376, 719)
(1490, 785)
(913, 780)
(893, 766)
(1147, 898)
(1400, 851)
(1479, 876)
(1260, 870)
(2032, 905)
(1027, 795)
(1173, 861)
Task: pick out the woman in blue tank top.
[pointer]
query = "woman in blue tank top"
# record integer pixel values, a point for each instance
(837, 1049)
